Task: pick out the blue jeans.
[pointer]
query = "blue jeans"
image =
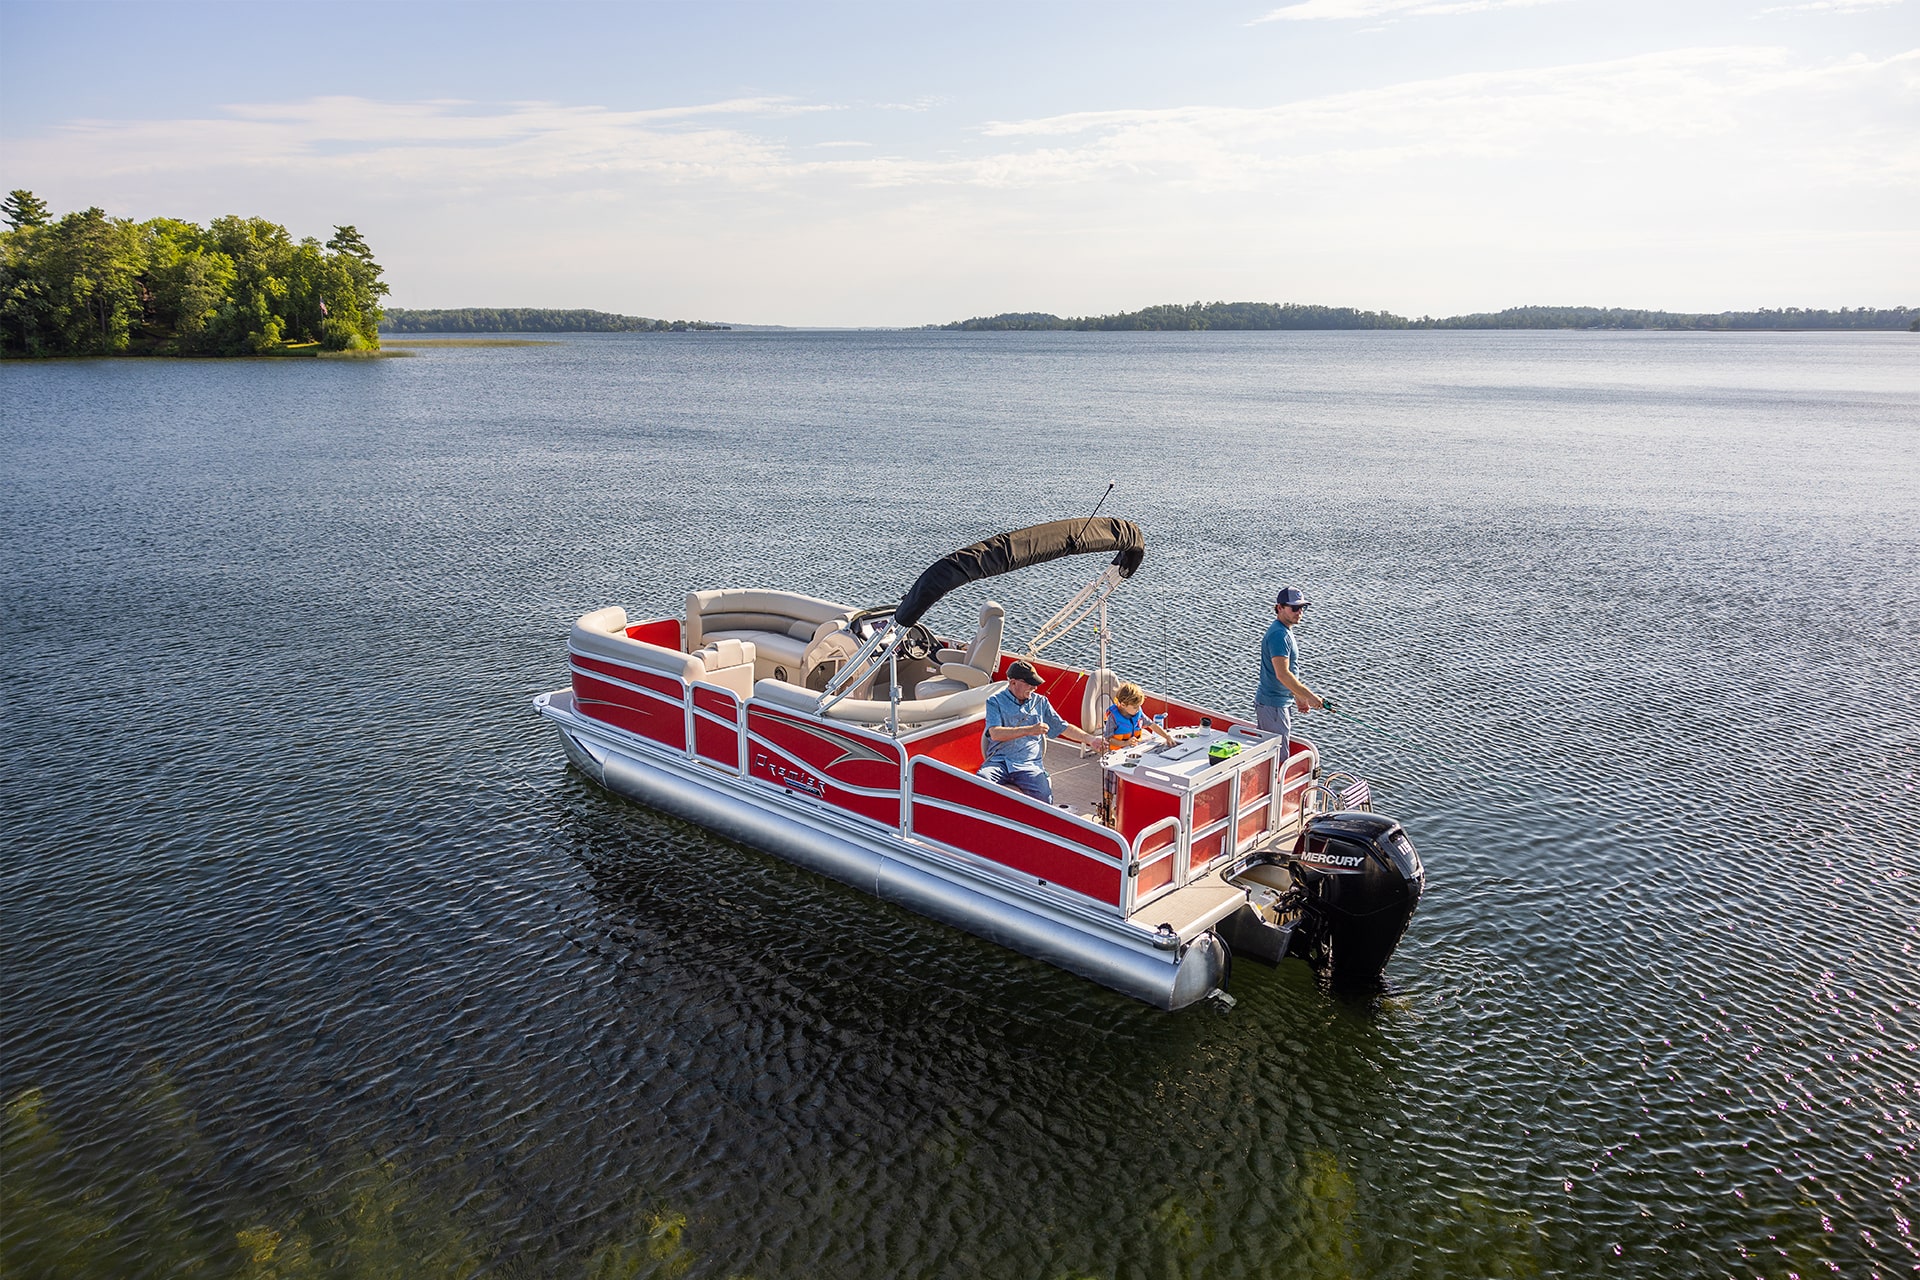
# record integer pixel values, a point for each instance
(1275, 720)
(1033, 782)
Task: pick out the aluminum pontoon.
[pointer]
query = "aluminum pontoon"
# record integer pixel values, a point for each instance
(845, 739)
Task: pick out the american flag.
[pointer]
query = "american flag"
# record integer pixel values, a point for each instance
(1357, 796)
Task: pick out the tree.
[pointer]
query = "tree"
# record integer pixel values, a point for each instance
(92, 264)
(93, 285)
(187, 281)
(24, 209)
(353, 293)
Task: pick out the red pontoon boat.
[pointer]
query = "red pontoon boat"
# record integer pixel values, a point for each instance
(845, 739)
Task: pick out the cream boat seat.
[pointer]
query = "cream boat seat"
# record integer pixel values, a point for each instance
(973, 666)
(964, 705)
(782, 626)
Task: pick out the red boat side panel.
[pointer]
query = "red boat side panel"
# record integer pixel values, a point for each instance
(829, 761)
(660, 719)
(1252, 825)
(1141, 807)
(1210, 805)
(1254, 783)
(1153, 875)
(1020, 852)
(664, 632)
(1020, 834)
(1205, 849)
(717, 742)
(957, 745)
(1008, 805)
(665, 686)
(1293, 779)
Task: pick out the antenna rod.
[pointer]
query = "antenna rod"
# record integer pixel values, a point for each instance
(1103, 500)
(1096, 509)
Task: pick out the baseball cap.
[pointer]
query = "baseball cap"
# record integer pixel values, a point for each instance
(1292, 596)
(1024, 671)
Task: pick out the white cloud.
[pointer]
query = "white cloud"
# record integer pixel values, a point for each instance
(1715, 169)
(1664, 97)
(434, 142)
(1833, 6)
(1347, 10)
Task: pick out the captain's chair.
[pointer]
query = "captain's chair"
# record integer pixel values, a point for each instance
(973, 666)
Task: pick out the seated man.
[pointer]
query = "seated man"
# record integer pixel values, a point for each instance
(1019, 721)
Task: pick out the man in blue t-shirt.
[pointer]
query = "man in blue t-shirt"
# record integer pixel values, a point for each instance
(1281, 691)
(1019, 721)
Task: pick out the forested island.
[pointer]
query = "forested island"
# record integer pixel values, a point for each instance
(88, 285)
(1274, 315)
(530, 320)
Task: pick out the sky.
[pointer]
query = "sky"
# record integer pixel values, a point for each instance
(843, 164)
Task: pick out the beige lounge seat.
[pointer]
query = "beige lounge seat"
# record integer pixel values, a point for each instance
(973, 666)
(965, 704)
(782, 626)
(729, 664)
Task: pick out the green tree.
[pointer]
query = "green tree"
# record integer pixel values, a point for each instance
(24, 296)
(24, 209)
(253, 319)
(187, 281)
(353, 293)
(93, 264)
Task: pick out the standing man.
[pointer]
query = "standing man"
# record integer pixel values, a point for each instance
(1019, 721)
(1282, 692)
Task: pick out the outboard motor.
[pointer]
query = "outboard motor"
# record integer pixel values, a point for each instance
(1357, 879)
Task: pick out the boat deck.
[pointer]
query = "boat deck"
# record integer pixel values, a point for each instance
(1077, 778)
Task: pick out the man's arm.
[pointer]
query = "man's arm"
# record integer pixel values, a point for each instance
(1304, 699)
(1051, 721)
(1074, 733)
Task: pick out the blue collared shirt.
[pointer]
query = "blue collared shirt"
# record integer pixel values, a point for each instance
(1278, 643)
(1005, 712)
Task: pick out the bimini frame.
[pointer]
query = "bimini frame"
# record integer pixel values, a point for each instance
(1002, 553)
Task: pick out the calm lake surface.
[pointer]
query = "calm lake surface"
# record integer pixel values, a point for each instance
(318, 960)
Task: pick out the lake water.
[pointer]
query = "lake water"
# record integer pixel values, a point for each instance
(318, 959)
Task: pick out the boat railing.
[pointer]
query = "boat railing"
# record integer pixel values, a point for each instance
(1151, 868)
(958, 811)
(716, 723)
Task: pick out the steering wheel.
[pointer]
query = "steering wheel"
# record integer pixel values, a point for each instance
(918, 644)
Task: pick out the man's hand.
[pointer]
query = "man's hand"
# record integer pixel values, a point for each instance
(1308, 700)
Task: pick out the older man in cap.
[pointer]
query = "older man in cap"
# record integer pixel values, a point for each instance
(1019, 722)
(1281, 691)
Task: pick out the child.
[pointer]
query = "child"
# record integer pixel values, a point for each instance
(1127, 720)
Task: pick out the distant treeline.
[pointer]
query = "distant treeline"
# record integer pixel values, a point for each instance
(88, 284)
(1617, 318)
(529, 320)
(1273, 315)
